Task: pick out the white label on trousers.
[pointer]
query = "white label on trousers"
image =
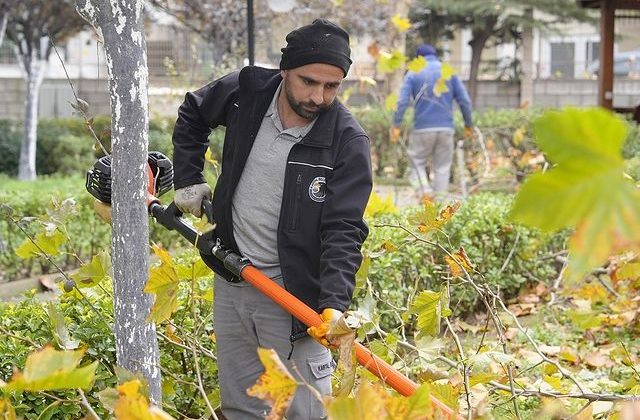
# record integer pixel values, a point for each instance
(323, 367)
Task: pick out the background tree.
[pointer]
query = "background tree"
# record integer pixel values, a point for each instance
(4, 17)
(497, 21)
(121, 24)
(222, 24)
(32, 26)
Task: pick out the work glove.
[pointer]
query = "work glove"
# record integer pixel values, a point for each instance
(394, 134)
(189, 199)
(322, 333)
(468, 133)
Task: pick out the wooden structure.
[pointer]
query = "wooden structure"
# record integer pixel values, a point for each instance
(607, 31)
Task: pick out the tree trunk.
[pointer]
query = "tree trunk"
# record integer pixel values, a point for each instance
(526, 82)
(34, 70)
(4, 17)
(479, 39)
(121, 23)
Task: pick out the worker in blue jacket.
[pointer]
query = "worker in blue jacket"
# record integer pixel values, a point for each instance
(432, 136)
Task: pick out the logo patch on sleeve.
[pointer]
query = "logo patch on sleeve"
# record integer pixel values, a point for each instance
(318, 189)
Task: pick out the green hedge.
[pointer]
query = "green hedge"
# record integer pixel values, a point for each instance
(30, 318)
(480, 227)
(66, 146)
(87, 232)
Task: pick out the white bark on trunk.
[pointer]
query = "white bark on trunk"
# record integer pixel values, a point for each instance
(121, 23)
(34, 69)
(3, 25)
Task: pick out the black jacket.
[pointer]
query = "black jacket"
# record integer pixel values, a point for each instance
(321, 229)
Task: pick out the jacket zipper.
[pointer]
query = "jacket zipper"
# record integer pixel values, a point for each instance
(296, 203)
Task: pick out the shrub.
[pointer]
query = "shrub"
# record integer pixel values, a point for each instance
(87, 232)
(10, 139)
(30, 318)
(507, 255)
(632, 145)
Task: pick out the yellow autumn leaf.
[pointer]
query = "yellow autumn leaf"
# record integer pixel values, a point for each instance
(132, 405)
(440, 87)
(417, 64)
(377, 205)
(402, 24)
(416, 407)
(47, 242)
(389, 246)
(458, 263)
(367, 81)
(196, 270)
(391, 102)
(367, 404)
(275, 386)
(555, 382)
(390, 62)
(518, 135)
(446, 71)
(162, 254)
(208, 156)
(163, 283)
(7, 412)
(447, 212)
(629, 271)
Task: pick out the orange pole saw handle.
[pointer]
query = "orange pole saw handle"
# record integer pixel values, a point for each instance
(170, 217)
(366, 358)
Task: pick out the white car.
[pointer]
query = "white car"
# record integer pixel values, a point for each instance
(624, 64)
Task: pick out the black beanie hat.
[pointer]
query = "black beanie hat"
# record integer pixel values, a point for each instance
(320, 42)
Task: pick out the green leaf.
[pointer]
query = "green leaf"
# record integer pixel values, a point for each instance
(445, 310)
(93, 273)
(49, 243)
(427, 306)
(48, 412)
(59, 329)
(391, 102)
(586, 190)
(108, 397)
(363, 272)
(49, 369)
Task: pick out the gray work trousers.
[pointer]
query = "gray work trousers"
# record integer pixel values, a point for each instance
(434, 146)
(243, 320)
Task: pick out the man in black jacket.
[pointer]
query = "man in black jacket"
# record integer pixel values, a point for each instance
(296, 177)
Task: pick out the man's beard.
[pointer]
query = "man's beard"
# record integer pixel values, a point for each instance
(298, 107)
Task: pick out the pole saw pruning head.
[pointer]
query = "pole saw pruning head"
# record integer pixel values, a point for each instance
(160, 171)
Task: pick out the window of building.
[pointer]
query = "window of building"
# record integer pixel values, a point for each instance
(593, 52)
(563, 59)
